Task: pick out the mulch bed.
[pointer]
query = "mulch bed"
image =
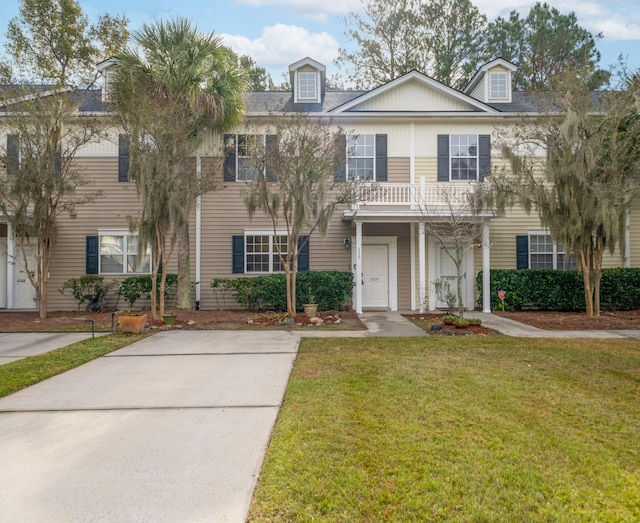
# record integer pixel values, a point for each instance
(552, 320)
(21, 321)
(434, 325)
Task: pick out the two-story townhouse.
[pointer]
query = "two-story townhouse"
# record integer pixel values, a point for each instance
(409, 142)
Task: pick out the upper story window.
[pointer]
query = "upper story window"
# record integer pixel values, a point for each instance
(240, 156)
(497, 85)
(307, 86)
(361, 157)
(464, 156)
(119, 255)
(545, 254)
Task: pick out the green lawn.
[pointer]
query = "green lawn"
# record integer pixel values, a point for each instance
(22, 373)
(473, 429)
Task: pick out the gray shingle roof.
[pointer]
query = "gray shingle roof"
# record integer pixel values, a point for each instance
(282, 101)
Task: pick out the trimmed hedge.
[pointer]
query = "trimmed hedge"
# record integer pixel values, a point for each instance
(561, 290)
(331, 289)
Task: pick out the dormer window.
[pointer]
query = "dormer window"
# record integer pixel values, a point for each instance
(307, 86)
(498, 86)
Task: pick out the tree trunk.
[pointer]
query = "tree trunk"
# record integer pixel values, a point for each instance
(163, 285)
(597, 275)
(458, 262)
(587, 276)
(183, 291)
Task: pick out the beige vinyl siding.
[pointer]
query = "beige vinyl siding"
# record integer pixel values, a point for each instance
(427, 168)
(107, 212)
(398, 170)
(516, 222)
(224, 215)
(414, 96)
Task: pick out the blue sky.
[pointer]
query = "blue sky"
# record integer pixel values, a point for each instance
(277, 33)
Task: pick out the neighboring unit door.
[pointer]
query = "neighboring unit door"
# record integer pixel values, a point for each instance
(3, 273)
(25, 294)
(375, 276)
(448, 273)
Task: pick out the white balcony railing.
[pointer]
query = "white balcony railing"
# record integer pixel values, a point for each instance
(422, 195)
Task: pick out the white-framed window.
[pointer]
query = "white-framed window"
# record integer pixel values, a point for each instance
(246, 148)
(498, 85)
(463, 155)
(118, 254)
(307, 86)
(545, 254)
(261, 252)
(361, 153)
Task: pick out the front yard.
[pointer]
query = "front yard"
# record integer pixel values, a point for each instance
(451, 429)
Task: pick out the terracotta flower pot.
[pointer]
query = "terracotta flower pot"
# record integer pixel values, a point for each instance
(133, 324)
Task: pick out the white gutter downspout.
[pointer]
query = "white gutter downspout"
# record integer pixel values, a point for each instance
(198, 232)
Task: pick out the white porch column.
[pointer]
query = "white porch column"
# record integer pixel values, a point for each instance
(486, 268)
(627, 239)
(358, 268)
(422, 266)
(198, 233)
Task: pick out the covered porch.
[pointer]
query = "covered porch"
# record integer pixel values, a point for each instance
(377, 259)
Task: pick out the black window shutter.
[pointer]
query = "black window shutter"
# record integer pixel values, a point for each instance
(270, 143)
(340, 174)
(381, 157)
(237, 245)
(13, 153)
(229, 168)
(92, 252)
(522, 252)
(57, 164)
(443, 157)
(484, 158)
(123, 158)
(303, 255)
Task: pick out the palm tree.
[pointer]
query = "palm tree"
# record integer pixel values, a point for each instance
(172, 88)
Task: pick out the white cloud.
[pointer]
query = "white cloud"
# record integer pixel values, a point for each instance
(281, 45)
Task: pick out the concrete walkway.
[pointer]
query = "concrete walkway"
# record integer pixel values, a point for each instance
(16, 346)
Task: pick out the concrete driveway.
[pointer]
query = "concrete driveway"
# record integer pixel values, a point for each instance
(172, 428)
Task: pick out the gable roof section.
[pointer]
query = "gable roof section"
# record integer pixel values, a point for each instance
(414, 92)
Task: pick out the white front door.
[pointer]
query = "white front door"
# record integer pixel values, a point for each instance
(3, 273)
(375, 276)
(448, 275)
(24, 293)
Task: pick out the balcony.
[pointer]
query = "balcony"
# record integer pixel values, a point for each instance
(423, 197)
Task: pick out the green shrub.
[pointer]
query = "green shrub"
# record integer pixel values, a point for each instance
(561, 290)
(134, 287)
(90, 288)
(331, 289)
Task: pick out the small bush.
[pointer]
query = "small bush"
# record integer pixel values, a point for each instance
(90, 288)
(331, 289)
(134, 287)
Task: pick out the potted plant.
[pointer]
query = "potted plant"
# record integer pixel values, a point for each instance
(311, 307)
(461, 323)
(475, 322)
(169, 318)
(133, 323)
(449, 319)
